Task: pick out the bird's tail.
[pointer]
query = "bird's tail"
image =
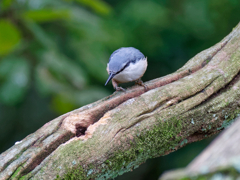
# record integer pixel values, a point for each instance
(111, 75)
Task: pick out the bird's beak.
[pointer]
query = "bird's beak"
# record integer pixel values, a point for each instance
(111, 75)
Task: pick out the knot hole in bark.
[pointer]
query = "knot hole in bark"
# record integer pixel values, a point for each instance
(80, 130)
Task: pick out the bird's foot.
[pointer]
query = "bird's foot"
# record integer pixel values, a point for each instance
(115, 85)
(140, 82)
(120, 89)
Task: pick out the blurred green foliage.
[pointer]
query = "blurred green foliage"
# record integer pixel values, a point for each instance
(53, 53)
(9, 37)
(57, 45)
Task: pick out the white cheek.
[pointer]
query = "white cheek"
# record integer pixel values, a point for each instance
(133, 72)
(107, 68)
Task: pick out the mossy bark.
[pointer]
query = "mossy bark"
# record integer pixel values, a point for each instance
(220, 160)
(127, 128)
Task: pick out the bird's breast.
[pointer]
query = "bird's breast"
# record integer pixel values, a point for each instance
(132, 72)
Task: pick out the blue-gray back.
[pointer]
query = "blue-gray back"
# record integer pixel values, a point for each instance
(122, 57)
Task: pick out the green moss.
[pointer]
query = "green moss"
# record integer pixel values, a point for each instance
(77, 173)
(15, 174)
(233, 115)
(23, 178)
(229, 119)
(159, 139)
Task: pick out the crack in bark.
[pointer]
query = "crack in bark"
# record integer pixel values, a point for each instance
(234, 80)
(219, 49)
(48, 149)
(117, 133)
(21, 165)
(32, 164)
(161, 103)
(139, 119)
(202, 91)
(16, 157)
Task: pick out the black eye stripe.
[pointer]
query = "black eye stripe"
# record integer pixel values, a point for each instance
(134, 61)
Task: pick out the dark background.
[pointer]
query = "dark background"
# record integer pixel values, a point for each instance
(53, 56)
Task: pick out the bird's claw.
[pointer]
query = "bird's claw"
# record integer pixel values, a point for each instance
(120, 89)
(140, 82)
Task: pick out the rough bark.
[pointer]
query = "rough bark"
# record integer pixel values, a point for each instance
(118, 133)
(220, 160)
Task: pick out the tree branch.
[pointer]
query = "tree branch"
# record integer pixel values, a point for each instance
(219, 159)
(118, 133)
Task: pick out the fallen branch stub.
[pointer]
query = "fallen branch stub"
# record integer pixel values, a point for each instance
(115, 134)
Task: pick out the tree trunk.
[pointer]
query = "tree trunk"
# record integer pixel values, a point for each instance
(118, 133)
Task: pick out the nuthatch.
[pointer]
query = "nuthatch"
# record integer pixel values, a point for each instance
(126, 64)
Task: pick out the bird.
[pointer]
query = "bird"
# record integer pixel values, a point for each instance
(126, 64)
